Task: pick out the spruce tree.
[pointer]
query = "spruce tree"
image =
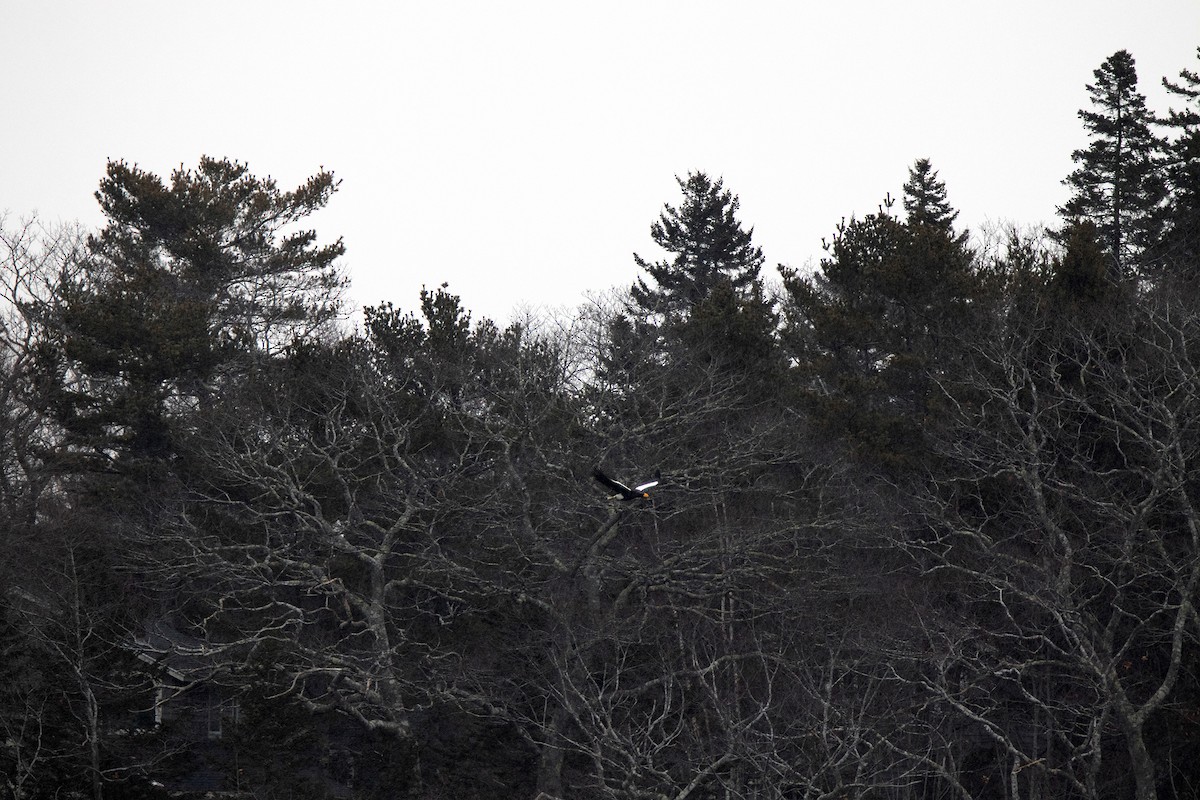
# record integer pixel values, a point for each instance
(1118, 182)
(707, 309)
(709, 245)
(925, 198)
(1178, 254)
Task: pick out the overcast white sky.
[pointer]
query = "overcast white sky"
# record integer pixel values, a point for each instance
(521, 150)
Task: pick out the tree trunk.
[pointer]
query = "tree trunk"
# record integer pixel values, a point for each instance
(93, 735)
(1140, 762)
(550, 760)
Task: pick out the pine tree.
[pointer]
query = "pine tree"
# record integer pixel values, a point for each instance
(709, 246)
(1118, 184)
(871, 331)
(843, 330)
(226, 238)
(183, 279)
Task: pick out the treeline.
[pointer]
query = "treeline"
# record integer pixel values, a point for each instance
(928, 523)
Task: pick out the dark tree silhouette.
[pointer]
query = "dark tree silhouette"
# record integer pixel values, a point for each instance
(708, 244)
(1118, 183)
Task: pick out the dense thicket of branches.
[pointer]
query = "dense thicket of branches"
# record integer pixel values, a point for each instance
(928, 523)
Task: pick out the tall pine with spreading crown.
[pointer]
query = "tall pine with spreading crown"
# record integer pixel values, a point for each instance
(185, 278)
(1118, 183)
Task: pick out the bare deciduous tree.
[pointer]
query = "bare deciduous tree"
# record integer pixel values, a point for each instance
(33, 260)
(1068, 514)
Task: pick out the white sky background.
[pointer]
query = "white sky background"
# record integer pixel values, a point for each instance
(521, 150)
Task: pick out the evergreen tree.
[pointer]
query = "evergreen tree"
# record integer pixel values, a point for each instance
(183, 279)
(873, 329)
(925, 198)
(1078, 279)
(733, 333)
(842, 326)
(1118, 184)
(1179, 250)
(226, 238)
(709, 246)
(708, 310)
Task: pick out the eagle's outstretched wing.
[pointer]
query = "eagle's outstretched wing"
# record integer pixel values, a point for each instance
(616, 486)
(649, 484)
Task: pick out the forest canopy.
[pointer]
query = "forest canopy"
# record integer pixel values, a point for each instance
(917, 523)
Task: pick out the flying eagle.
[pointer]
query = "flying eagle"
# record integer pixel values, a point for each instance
(623, 492)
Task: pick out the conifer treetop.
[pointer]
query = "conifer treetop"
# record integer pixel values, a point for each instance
(925, 199)
(708, 244)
